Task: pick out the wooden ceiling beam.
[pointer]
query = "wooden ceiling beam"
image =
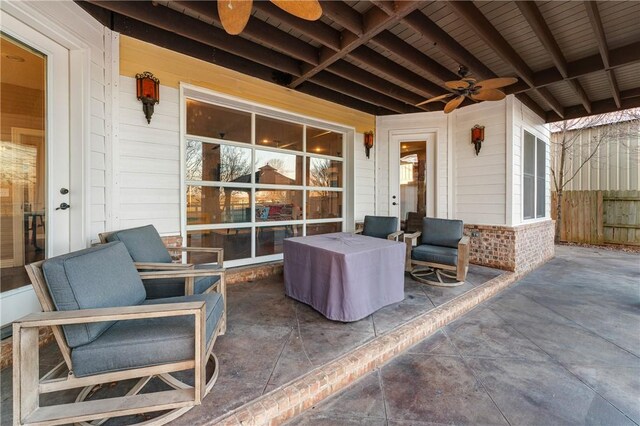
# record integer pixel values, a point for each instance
(481, 26)
(344, 15)
(601, 38)
(169, 20)
(388, 67)
(447, 44)
(352, 72)
(375, 21)
(537, 23)
(318, 91)
(316, 30)
(629, 99)
(399, 48)
(361, 92)
(258, 31)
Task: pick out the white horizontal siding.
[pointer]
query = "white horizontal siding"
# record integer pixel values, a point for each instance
(365, 180)
(480, 180)
(148, 162)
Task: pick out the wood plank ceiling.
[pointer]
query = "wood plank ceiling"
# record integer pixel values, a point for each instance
(382, 57)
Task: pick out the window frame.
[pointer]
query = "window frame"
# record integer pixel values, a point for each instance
(188, 92)
(537, 140)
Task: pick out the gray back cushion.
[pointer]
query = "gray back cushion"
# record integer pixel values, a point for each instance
(441, 232)
(99, 277)
(144, 244)
(379, 226)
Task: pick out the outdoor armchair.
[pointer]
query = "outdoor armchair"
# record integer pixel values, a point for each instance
(150, 253)
(381, 227)
(107, 330)
(439, 254)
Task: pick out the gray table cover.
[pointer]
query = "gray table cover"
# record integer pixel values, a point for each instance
(344, 276)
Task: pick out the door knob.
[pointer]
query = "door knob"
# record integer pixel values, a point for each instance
(63, 206)
(64, 191)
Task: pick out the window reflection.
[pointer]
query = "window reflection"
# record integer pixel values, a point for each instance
(208, 204)
(214, 121)
(324, 172)
(324, 204)
(236, 242)
(275, 168)
(324, 142)
(324, 228)
(278, 205)
(217, 163)
(278, 134)
(269, 238)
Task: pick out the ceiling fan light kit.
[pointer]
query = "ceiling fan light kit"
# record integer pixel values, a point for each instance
(234, 14)
(486, 90)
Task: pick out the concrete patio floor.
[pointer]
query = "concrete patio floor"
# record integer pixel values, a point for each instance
(272, 339)
(562, 346)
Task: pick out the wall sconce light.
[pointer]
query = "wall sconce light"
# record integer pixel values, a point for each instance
(477, 137)
(148, 91)
(368, 141)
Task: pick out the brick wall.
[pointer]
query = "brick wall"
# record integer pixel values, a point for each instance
(512, 248)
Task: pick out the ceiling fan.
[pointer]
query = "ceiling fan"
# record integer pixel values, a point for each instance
(486, 90)
(234, 14)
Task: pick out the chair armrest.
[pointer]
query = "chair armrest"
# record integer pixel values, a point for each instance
(219, 251)
(85, 316)
(181, 273)
(358, 231)
(410, 238)
(140, 266)
(464, 241)
(395, 236)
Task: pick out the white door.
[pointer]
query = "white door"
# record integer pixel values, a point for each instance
(34, 157)
(412, 174)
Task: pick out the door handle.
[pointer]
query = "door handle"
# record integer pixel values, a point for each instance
(63, 206)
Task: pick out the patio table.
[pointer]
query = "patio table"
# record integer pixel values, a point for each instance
(344, 276)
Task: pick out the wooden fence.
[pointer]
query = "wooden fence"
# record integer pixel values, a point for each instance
(597, 217)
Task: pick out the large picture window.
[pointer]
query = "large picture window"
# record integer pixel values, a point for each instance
(534, 177)
(252, 180)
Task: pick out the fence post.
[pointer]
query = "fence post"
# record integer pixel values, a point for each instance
(600, 217)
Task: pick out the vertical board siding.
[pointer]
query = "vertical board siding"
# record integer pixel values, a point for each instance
(597, 217)
(148, 163)
(614, 165)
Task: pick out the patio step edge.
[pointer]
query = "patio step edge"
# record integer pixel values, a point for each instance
(291, 399)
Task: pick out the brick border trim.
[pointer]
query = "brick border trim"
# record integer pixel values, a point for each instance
(293, 398)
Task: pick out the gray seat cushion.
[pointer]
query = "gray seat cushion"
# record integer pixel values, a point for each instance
(435, 254)
(441, 232)
(379, 226)
(145, 342)
(98, 277)
(144, 244)
(174, 287)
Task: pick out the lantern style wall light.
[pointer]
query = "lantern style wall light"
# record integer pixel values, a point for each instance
(368, 141)
(477, 137)
(148, 91)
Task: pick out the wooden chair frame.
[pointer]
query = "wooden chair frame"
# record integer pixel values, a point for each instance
(28, 385)
(394, 236)
(458, 272)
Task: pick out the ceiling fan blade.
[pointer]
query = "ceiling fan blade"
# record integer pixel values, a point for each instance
(437, 98)
(488, 95)
(457, 85)
(305, 9)
(234, 14)
(496, 83)
(453, 104)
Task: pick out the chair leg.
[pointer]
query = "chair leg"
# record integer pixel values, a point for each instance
(435, 277)
(26, 375)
